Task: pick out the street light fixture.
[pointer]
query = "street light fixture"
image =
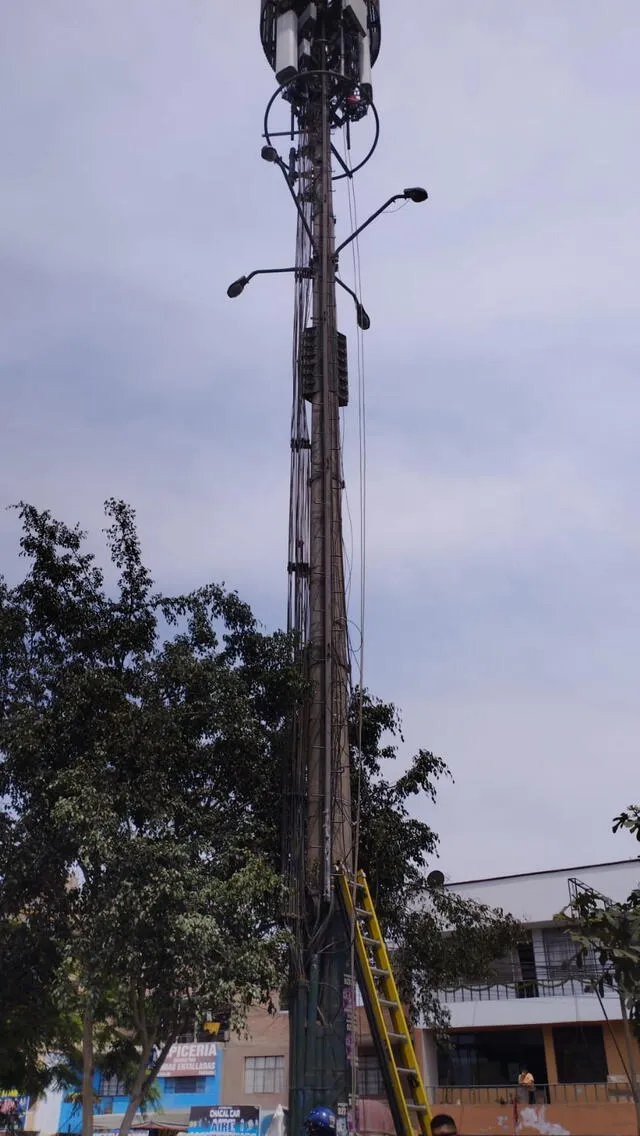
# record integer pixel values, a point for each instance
(413, 193)
(362, 317)
(416, 193)
(237, 287)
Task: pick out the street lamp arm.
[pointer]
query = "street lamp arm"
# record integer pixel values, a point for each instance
(270, 154)
(369, 221)
(240, 284)
(414, 193)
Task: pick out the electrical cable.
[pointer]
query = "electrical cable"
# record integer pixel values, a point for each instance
(358, 654)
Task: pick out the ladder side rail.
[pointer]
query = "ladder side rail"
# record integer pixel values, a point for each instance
(397, 1013)
(375, 1017)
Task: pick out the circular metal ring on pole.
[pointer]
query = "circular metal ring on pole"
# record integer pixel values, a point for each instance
(304, 75)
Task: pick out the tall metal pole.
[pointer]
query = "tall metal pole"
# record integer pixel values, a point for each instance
(322, 52)
(319, 1065)
(328, 808)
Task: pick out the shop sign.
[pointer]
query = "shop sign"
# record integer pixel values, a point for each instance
(224, 1120)
(192, 1059)
(13, 1105)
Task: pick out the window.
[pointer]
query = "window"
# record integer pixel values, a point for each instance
(185, 1085)
(580, 1055)
(112, 1087)
(370, 1083)
(264, 1074)
(492, 1057)
(560, 956)
(518, 969)
(528, 986)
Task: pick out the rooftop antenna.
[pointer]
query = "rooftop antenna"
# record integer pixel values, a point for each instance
(322, 53)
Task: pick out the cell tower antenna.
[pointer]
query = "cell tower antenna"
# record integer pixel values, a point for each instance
(322, 52)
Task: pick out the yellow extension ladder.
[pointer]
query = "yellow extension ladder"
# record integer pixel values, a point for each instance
(387, 1022)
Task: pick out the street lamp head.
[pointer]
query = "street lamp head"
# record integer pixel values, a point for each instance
(237, 287)
(416, 193)
(362, 318)
(269, 153)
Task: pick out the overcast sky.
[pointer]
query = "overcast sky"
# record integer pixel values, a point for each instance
(502, 367)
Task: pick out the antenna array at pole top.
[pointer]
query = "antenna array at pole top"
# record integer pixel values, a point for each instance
(339, 37)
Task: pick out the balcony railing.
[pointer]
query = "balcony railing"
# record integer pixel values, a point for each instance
(548, 983)
(507, 1095)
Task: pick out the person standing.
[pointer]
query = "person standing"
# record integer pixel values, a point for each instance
(527, 1085)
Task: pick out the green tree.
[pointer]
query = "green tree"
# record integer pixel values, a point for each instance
(607, 939)
(143, 751)
(610, 932)
(131, 728)
(440, 939)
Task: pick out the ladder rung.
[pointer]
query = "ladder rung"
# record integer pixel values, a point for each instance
(383, 1009)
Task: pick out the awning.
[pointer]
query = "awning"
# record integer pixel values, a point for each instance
(173, 1120)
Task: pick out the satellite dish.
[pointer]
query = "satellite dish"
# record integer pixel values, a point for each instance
(435, 879)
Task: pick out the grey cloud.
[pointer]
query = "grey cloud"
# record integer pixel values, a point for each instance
(501, 368)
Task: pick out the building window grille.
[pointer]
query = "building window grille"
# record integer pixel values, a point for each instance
(370, 1083)
(112, 1087)
(184, 1085)
(264, 1074)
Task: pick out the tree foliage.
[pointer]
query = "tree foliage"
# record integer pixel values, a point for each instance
(609, 933)
(133, 731)
(440, 939)
(143, 740)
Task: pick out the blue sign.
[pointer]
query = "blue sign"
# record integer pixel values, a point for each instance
(13, 1108)
(224, 1120)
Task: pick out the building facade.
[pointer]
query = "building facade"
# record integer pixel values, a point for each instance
(190, 1079)
(542, 1013)
(538, 1012)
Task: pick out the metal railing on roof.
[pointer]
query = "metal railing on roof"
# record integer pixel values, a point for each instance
(549, 983)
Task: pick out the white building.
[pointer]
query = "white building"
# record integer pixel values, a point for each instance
(539, 1012)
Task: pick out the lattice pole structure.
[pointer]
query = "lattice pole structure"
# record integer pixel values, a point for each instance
(322, 52)
(322, 56)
